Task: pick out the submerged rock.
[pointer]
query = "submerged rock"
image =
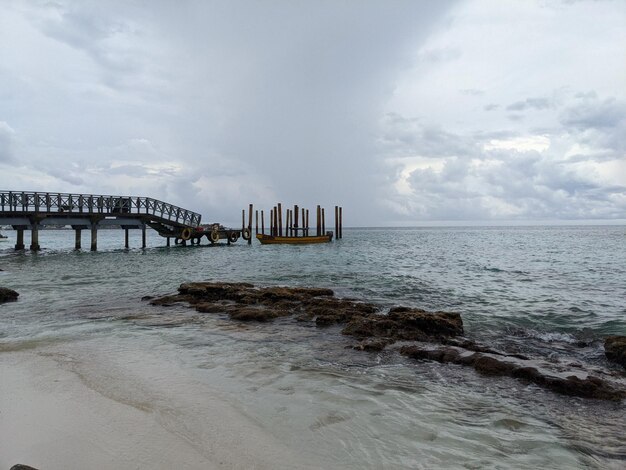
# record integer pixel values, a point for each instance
(587, 386)
(7, 295)
(376, 329)
(245, 302)
(20, 466)
(615, 349)
(404, 323)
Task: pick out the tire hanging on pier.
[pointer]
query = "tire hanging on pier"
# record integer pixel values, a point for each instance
(186, 234)
(214, 237)
(245, 233)
(233, 237)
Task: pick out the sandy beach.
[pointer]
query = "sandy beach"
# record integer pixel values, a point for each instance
(52, 417)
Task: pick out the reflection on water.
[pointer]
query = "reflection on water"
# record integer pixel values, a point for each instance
(535, 290)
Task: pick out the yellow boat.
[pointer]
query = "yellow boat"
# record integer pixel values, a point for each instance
(272, 240)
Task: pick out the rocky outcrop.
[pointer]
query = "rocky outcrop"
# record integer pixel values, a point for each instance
(438, 334)
(402, 323)
(585, 385)
(245, 302)
(615, 349)
(7, 295)
(19, 466)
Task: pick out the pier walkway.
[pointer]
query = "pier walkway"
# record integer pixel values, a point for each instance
(34, 210)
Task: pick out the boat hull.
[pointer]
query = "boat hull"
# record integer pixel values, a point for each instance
(271, 240)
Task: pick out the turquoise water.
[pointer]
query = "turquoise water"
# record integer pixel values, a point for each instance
(546, 291)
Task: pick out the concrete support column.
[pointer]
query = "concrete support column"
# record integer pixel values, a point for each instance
(77, 239)
(94, 237)
(143, 236)
(19, 243)
(126, 244)
(34, 239)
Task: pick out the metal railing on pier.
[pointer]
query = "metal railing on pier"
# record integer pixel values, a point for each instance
(30, 203)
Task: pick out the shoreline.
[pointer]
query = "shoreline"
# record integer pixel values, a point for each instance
(51, 418)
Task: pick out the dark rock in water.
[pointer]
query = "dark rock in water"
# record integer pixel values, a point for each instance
(404, 323)
(19, 466)
(573, 385)
(373, 345)
(376, 330)
(615, 349)
(7, 295)
(244, 302)
(147, 297)
(256, 314)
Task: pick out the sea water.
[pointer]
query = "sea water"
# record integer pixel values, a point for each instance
(550, 292)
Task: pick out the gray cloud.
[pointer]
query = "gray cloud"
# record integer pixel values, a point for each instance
(531, 103)
(494, 175)
(598, 122)
(212, 105)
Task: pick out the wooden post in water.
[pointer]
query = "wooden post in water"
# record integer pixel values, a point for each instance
(19, 243)
(340, 222)
(296, 212)
(243, 219)
(94, 236)
(262, 222)
(323, 223)
(34, 239)
(280, 219)
(143, 236)
(77, 239)
(168, 241)
(250, 209)
(319, 222)
(336, 222)
(126, 244)
(275, 223)
(256, 225)
(306, 224)
(287, 222)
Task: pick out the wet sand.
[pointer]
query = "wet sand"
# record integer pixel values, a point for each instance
(51, 418)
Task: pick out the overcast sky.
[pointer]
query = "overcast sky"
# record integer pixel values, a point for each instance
(404, 112)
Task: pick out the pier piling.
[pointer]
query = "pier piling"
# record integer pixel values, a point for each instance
(34, 240)
(94, 237)
(256, 225)
(280, 219)
(19, 243)
(319, 222)
(340, 222)
(250, 209)
(77, 239)
(126, 241)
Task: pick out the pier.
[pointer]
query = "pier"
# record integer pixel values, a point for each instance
(27, 210)
(36, 210)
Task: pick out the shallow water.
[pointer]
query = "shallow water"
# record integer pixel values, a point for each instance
(544, 291)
